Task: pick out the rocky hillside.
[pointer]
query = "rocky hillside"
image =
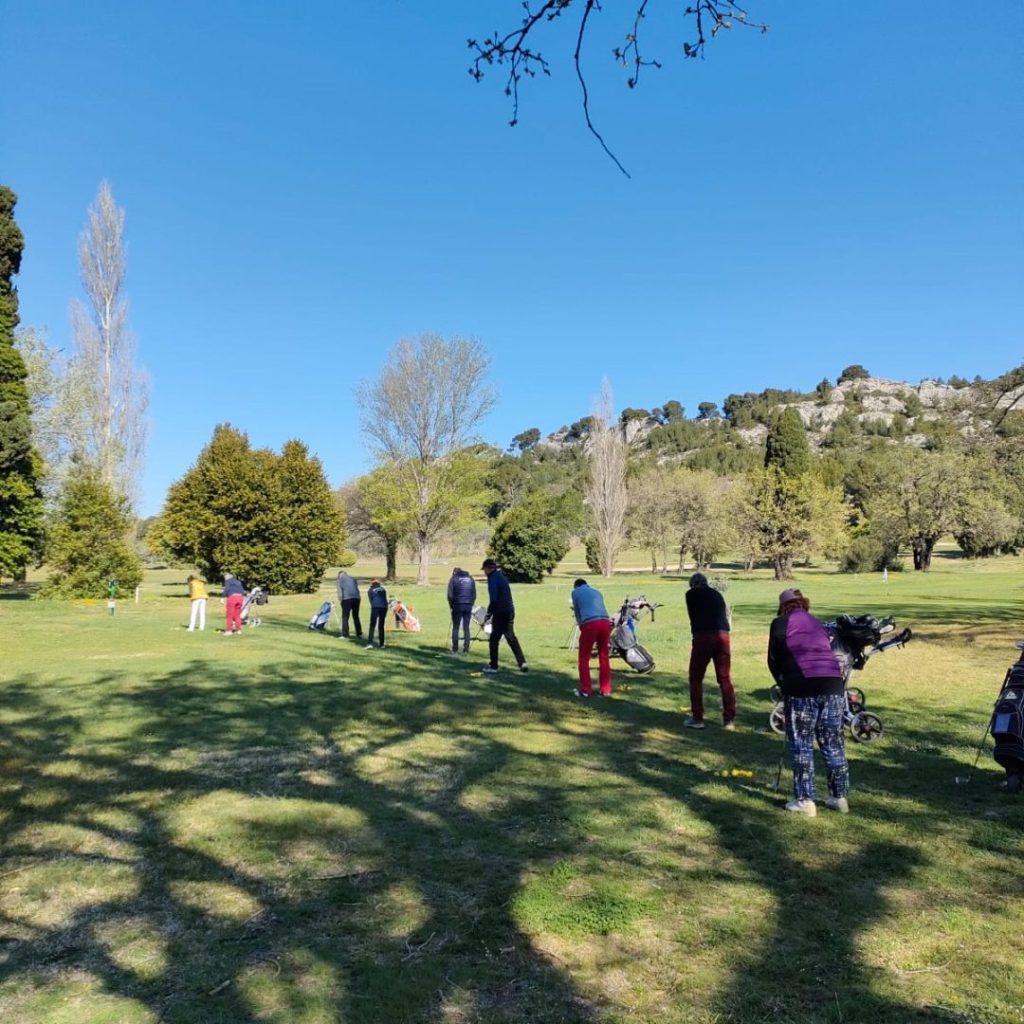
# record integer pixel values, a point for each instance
(834, 415)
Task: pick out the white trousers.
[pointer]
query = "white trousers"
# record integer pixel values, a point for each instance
(198, 613)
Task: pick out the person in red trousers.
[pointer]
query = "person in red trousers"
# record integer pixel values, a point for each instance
(234, 598)
(595, 631)
(709, 624)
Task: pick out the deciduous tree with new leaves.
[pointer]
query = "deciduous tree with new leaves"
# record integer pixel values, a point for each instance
(419, 415)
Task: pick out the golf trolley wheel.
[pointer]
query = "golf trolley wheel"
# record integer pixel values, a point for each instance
(865, 727)
(855, 698)
(777, 718)
(775, 693)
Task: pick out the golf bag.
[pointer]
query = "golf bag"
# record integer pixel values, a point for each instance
(483, 623)
(258, 597)
(1007, 726)
(404, 618)
(624, 643)
(322, 618)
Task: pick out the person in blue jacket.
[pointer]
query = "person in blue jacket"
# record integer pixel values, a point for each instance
(595, 631)
(502, 614)
(378, 598)
(461, 598)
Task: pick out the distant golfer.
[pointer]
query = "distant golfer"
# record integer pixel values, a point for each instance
(709, 626)
(461, 598)
(348, 597)
(378, 598)
(197, 599)
(503, 615)
(595, 630)
(234, 598)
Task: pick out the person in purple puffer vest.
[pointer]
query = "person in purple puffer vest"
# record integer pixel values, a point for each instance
(801, 661)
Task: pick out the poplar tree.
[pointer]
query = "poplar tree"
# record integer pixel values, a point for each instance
(21, 500)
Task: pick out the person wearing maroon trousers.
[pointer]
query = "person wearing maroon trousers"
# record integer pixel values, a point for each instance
(709, 624)
(595, 630)
(234, 597)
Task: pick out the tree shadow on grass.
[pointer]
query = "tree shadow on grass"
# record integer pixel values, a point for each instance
(297, 848)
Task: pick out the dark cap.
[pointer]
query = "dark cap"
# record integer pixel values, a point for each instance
(698, 579)
(579, 583)
(489, 563)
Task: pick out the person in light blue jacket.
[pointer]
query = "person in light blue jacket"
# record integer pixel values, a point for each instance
(595, 631)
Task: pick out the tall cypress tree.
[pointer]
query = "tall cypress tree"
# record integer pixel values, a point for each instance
(21, 500)
(786, 446)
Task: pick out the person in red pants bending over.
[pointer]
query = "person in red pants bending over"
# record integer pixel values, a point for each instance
(234, 598)
(595, 630)
(709, 624)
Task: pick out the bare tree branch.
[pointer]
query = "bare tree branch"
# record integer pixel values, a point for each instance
(515, 49)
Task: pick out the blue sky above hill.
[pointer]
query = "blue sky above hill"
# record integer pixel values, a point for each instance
(305, 186)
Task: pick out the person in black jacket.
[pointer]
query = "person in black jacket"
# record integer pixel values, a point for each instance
(503, 614)
(709, 626)
(461, 598)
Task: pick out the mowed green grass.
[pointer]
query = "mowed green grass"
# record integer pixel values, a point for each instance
(286, 827)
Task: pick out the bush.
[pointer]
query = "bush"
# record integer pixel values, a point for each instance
(347, 559)
(868, 554)
(592, 556)
(526, 544)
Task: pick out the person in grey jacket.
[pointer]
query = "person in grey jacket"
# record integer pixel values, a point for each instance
(461, 598)
(348, 597)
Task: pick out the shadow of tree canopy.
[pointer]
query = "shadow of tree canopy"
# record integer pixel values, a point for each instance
(367, 842)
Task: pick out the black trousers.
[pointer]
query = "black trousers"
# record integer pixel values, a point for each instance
(503, 625)
(350, 606)
(460, 616)
(377, 617)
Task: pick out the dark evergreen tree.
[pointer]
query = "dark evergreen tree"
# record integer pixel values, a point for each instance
(527, 542)
(21, 500)
(88, 540)
(271, 520)
(786, 446)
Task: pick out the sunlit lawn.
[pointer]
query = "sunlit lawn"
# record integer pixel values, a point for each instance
(286, 827)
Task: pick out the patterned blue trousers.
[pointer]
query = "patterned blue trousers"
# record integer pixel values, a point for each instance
(821, 719)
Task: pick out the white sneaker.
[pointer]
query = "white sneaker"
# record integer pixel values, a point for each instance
(488, 670)
(579, 693)
(729, 726)
(838, 803)
(369, 647)
(694, 723)
(808, 807)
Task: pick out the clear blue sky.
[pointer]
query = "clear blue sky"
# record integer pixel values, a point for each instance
(307, 183)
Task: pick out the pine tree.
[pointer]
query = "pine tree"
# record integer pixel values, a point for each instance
(21, 500)
(87, 546)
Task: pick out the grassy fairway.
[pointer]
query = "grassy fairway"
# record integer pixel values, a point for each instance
(286, 827)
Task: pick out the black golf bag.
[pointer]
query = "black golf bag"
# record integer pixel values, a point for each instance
(322, 617)
(1008, 727)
